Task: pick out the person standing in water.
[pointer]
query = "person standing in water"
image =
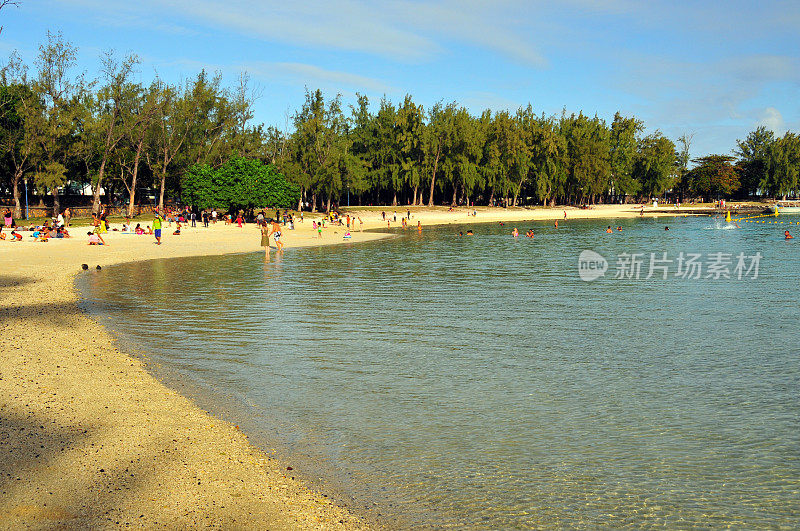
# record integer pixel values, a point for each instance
(276, 233)
(265, 237)
(515, 233)
(787, 236)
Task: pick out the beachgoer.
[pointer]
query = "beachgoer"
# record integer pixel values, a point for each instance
(98, 229)
(177, 229)
(787, 236)
(319, 229)
(469, 232)
(666, 228)
(67, 216)
(529, 234)
(15, 236)
(95, 239)
(276, 234)
(265, 237)
(239, 220)
(214, 216)
(395, 216)
(608, 230)
(8, 218)
(556, 223)
(515, 232)
(565, 214)
(193, 217)
(157, 220)
(619, 228)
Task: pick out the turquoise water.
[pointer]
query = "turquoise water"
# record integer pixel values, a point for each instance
(479, 382)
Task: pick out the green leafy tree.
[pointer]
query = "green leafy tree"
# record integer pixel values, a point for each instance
(654, 166)
(753, 153)
(623, 154)
(714, 175)
(782, 166)
(238, 184)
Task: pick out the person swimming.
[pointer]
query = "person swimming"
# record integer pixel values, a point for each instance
(619, 228)
(529, 234)
(666, 228)
(469, 232)
(515, 233)
(608, 230)
(787, 236)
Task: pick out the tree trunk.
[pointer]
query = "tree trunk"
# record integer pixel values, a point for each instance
(300, 200)
(161, 191)
(433, 178)
(17, 205)
(56, 202)
(491, 197)
(455, 192)
(314, 202)
(414, 199)
(96, 200)
(133, 178)
(328, 205)
(394, 199)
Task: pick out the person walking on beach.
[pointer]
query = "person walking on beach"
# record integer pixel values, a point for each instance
(214, 216)
(193, 217)
(157, 220)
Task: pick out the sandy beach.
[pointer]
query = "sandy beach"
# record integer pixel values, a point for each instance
(88, 438)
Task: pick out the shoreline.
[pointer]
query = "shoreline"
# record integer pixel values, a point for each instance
(89, 437)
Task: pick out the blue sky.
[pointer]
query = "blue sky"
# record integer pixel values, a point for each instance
(715, 70)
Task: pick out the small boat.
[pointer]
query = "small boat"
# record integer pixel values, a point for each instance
(786, 207)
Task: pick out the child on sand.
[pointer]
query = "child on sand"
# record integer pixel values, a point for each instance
(94, 238)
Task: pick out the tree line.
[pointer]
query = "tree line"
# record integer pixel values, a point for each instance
(60, 130)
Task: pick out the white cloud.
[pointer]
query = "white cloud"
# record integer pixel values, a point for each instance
(772, 119)
(315, 76)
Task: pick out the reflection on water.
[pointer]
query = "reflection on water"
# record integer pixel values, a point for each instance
(479, 382)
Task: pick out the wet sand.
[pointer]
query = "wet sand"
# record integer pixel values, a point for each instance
(88, 438)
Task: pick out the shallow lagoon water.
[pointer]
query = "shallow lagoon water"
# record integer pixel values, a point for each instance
(479, 382)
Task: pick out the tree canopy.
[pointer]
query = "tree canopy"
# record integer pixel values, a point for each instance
(158, 141)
